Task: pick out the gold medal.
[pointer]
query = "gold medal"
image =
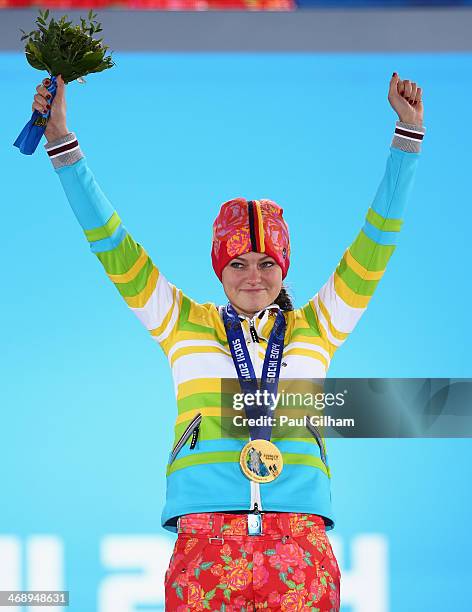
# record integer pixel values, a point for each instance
(261, 461)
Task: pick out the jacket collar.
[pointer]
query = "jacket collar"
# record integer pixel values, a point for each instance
(260, 320)
(261, 313)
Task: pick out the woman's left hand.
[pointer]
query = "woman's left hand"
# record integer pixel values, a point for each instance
(405, 98)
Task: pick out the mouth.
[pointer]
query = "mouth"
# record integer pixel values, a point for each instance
(252, 290)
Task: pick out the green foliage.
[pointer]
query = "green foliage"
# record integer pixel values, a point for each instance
(69, 50)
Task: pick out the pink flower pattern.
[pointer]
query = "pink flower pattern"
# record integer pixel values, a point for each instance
(242, 573)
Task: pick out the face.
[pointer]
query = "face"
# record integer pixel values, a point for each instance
(252, 282)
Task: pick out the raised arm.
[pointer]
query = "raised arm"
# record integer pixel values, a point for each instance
(145, 290)
(340, 303)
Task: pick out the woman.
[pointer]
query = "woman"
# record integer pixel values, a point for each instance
(251, 515)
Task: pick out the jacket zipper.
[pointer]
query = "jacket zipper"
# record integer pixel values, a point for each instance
(316, 434)
(256, 502)
(192, 429)
(252, 331)
(194, 439)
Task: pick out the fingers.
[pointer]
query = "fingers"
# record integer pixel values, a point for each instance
(40, 102)
(393, 83)
(417, 99)
(43, 92)
(406, 89)
(409, 91)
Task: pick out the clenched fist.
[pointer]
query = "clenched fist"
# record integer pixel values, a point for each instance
(56, 127)
(405, 99)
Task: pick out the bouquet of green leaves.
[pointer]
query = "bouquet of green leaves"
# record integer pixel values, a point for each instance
(61, 48)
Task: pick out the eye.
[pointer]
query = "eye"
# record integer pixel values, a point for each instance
(236, 264)
(267, 264)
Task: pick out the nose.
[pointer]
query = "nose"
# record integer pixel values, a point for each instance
(254, 275)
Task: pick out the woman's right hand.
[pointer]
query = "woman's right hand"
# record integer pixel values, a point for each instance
(56, 127)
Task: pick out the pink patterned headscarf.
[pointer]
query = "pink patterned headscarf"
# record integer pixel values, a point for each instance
(243, 226)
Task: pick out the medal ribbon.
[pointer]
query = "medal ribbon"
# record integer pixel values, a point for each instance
(245, 369)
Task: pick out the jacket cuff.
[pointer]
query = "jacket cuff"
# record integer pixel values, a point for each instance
(64, 151)
(408, 137)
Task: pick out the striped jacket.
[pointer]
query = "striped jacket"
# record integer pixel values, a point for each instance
(203, 472)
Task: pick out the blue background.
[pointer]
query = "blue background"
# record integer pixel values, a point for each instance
(87, 398)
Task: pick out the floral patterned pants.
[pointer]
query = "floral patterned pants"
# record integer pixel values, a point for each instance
(216, 565)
